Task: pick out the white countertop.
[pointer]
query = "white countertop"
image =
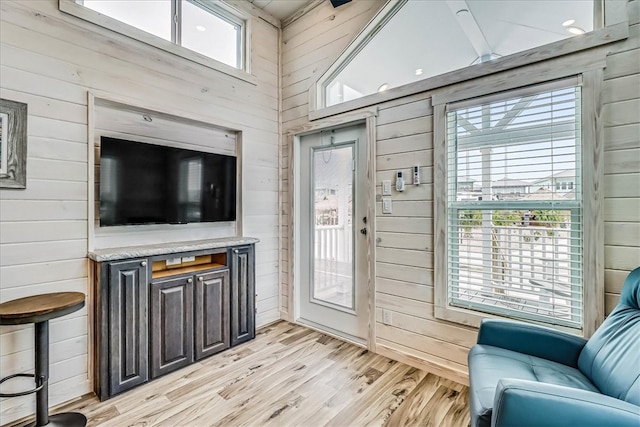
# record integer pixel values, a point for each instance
(114, 254)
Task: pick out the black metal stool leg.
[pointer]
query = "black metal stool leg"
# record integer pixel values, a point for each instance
(67, 419)
(42, 372)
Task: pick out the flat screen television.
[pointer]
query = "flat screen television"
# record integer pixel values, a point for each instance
(153, 184)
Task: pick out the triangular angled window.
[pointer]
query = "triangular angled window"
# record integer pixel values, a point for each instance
(411, 40)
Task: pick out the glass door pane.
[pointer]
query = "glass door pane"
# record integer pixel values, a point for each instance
(332, 210)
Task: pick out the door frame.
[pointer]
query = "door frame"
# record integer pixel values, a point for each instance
(368, 118)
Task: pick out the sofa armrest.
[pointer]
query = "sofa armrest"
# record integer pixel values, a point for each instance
(531, 339)
(528, 403)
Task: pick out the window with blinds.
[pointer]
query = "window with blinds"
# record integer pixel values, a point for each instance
(515, 205)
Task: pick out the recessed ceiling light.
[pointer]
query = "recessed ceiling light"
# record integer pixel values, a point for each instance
(575, 30)
(568, 22)
(383, 87)
(200, 28)
(419, 72)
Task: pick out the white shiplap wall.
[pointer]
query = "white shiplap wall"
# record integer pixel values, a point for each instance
(404, 253)
(621, 120)
(50, 61)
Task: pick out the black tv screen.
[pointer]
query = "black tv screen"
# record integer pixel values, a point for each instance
(153, 184)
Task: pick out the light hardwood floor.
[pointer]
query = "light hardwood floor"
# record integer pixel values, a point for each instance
(288, 376)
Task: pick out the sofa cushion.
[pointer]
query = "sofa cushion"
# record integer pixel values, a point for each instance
(488, 364)
(611, 358)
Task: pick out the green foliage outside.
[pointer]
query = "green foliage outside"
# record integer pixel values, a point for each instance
(505, 218)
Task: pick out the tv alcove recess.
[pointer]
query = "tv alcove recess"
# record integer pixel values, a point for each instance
(159, 308)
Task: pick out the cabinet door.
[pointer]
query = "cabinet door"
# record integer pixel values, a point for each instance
(211, 313)
(128, 345)
(171, 325)
(242, 295)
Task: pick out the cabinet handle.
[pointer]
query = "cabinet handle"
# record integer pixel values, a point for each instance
(235, 251)
(200, 278)
(143, 263)
(189, 280)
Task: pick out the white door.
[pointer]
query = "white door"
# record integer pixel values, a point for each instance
(332, 199)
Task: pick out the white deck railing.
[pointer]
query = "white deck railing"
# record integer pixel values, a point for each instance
(333, 243)
(527, 263)
(523, 254)
(333, 251)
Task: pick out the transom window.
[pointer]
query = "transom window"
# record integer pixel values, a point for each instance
(417, 39)
(514, 205)
(201, 26)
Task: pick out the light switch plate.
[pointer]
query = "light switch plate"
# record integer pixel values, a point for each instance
(386, 205)
(387, 319)
(174, 261)
(188, 258)
(386, 187)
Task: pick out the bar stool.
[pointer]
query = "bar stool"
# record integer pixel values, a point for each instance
(39, 309)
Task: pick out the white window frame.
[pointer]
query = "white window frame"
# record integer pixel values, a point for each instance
(592, 196)
(216, 8)
(611, 25)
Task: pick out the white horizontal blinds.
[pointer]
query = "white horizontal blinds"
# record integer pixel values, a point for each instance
(515, 205)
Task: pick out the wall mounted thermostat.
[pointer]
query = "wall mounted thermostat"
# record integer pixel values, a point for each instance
(400, 181)
(416, 175)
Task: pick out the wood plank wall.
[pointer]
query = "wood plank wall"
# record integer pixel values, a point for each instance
(50, 60)
(404, 254)
(310, 44)
(621, 119)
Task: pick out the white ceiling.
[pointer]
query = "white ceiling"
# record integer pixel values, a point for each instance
(280, 9)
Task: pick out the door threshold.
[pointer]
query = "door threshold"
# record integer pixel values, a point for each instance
(351, 339)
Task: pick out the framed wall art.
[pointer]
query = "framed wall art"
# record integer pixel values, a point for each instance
(13, 144)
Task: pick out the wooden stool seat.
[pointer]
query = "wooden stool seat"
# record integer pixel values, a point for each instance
(39, 309)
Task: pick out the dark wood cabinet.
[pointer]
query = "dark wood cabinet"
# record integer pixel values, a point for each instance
(242, 295)
(157, 314)
(128, 293)
(171, 325)
(211, 333)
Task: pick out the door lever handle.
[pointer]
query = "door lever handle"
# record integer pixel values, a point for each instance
(363, 231)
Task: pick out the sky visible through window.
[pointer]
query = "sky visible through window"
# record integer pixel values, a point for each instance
(538, 142)
(201, 30)
(152, 16)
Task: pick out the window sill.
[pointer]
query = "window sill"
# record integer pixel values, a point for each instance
(474, 318)
(586, 41)
(72, 8)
